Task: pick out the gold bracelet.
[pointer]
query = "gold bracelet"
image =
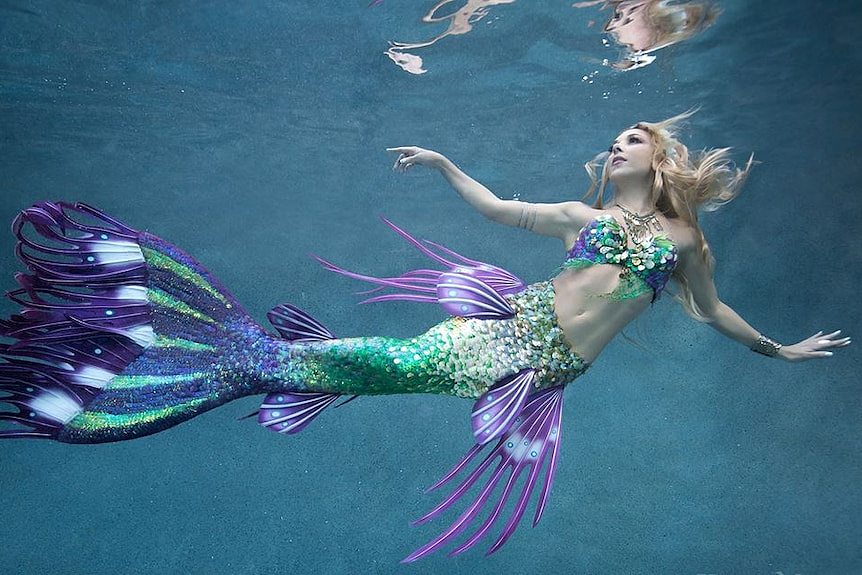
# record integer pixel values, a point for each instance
(766, 346)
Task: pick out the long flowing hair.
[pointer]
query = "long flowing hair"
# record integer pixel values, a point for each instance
(674, 22)
(683, 184)
(667, 21)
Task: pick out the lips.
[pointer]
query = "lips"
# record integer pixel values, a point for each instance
(618, 160)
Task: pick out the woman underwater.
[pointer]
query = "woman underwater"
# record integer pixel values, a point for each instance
(123, 335)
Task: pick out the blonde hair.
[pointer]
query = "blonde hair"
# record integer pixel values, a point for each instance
(667, 22)
(674, 23)
(682, 185)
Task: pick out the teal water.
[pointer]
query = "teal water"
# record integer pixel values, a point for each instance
(254, 135)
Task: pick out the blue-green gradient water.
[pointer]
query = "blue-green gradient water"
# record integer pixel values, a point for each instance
(253, 134)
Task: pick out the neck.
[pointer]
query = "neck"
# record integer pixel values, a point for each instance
(635, 196)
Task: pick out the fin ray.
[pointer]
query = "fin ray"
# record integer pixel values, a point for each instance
(292, 412)
(526, 444)
(296, 325)
(495, 410)
(466, 288)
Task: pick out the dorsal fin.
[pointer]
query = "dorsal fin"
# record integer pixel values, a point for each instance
(295, 325)
(467, 288)
(462, 294)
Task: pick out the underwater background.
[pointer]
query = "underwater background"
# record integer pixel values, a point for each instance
(254, 134)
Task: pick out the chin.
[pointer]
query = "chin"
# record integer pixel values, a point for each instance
(627, 173)
(615, 174)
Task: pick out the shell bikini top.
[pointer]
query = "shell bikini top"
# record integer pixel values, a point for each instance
(646, 266)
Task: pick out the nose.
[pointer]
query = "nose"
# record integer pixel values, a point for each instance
(615, 149)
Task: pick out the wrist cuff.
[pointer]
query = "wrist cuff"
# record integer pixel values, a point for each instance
(766, 346)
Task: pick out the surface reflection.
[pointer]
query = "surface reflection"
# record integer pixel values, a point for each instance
(643, 27)
(460, 22)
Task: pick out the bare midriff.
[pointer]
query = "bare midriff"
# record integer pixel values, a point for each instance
(588, 320)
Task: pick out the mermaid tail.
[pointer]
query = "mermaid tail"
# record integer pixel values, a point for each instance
(525, 422)
(122, 335)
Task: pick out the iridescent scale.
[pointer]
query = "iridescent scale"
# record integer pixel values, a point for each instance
(459, 356)
(647, 266)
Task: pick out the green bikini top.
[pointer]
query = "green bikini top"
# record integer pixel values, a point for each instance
(646, 266)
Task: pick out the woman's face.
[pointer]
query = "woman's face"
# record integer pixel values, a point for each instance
(630, 26)
(631, 154)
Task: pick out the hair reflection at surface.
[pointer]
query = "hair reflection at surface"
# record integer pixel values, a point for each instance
(643, 27)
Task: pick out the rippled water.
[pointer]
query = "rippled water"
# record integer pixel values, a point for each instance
(253, 134)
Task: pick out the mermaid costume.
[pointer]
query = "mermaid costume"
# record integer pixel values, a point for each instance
(123, 335)
(646, 266)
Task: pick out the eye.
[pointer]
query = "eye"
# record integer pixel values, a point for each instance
(635, 140)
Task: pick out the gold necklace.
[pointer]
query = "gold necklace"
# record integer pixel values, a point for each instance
(639, 225)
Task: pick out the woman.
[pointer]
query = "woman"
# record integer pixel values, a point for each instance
(657, 192)
(123, 335)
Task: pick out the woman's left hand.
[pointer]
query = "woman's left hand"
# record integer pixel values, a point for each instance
(816, 346)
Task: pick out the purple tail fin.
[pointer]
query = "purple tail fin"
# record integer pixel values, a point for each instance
(533, 438)
(292, 412)
(117, 326)
(85, 314)
(295, 325)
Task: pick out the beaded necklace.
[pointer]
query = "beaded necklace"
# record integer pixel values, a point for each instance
(639, 225)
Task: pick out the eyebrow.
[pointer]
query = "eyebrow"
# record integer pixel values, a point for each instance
(628, 136)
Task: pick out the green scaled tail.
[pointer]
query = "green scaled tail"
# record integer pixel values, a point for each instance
(503, 348)
(123, 335)
(460, 356)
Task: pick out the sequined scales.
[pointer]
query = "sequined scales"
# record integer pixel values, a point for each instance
(461, 357)
(648, 265)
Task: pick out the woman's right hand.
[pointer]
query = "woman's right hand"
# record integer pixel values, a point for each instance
(409, 156)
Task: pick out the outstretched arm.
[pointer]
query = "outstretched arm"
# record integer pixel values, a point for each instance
(554, 220)
(722, 317)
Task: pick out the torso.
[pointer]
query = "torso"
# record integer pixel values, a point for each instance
(589, 320)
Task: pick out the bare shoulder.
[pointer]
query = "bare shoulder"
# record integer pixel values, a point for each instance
(578, 213)
(684, 235)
